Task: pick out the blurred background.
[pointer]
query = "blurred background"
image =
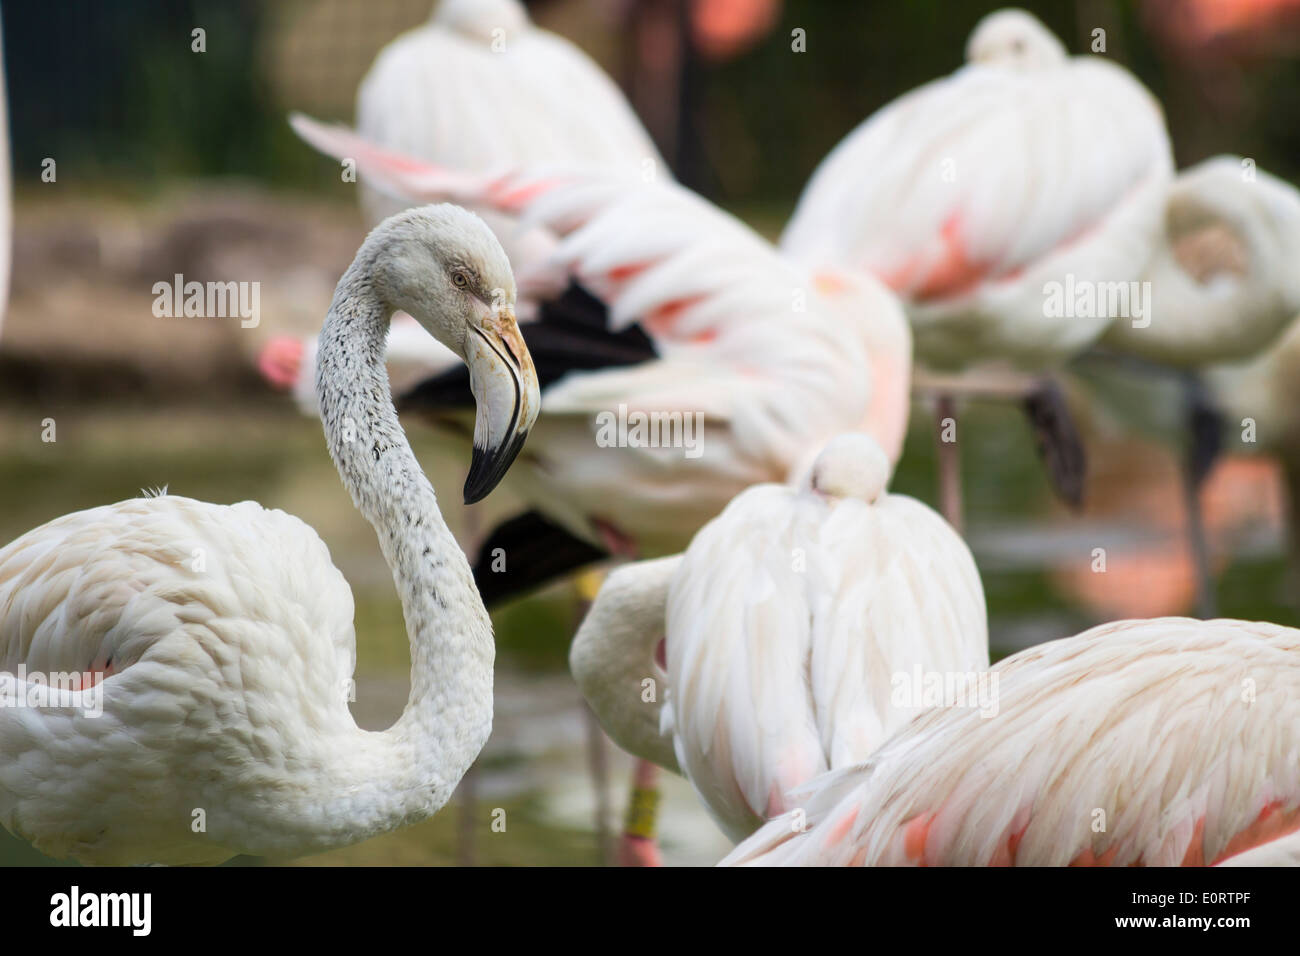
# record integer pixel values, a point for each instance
(169, 161)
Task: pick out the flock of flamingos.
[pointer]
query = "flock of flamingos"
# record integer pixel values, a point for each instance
(771, 589)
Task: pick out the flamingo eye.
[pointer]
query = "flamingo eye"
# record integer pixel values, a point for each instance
(460, 280)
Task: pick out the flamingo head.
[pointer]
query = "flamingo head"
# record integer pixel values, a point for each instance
(851, 465)
(1015, 39)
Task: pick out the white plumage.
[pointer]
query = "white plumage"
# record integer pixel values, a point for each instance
(1264, 392)
(789, 623)
(972, 192)
(218, 641)
(480, 87)
(1161, 742)
(227, 635)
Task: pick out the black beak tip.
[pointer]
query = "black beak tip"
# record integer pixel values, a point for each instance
(488, 466)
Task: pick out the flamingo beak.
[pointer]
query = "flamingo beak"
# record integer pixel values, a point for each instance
(508, 398)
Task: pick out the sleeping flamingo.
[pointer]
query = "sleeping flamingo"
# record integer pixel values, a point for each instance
(972, 194)
(221, 637)
(1162, 742)
(655, 304)
(1224, 286)
(480, 87)
(790, 627)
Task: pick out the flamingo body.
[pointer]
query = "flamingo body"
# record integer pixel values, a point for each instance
(1161, 742)
(480, 87)
(794, 617)
(266, 620)
(972, 193)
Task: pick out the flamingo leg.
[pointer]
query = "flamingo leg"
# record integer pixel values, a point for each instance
(950, 496)
(1203, 428)
(638, 845)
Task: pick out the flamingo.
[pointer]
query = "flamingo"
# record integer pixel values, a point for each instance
(1160, 742)
(224, 725)
(1223, 288)
(787, 626)
(478, 86)
(972, 193)
(654, 302)
(1224, 279)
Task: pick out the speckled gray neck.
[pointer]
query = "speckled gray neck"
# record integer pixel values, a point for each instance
(449, 715)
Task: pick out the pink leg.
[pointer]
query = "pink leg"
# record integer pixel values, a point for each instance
(638, 846)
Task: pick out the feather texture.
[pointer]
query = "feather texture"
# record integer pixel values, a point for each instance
(1160, 742)
(972, 192)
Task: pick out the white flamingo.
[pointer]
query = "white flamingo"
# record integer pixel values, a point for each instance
(655, 303)
(972, 193)
(1224, 278)
(224, 686)
(791, 626)
(1223, 288)
(478, 87)
(1162, 742)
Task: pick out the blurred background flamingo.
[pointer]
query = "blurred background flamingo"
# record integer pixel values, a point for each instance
(927, 194)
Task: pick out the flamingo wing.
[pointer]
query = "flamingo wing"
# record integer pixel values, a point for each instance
(898, 596)
(790, 621)
(739, 639)
(969, 193)
(1158, 742)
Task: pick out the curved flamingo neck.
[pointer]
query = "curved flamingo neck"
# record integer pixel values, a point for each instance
(409, 771)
